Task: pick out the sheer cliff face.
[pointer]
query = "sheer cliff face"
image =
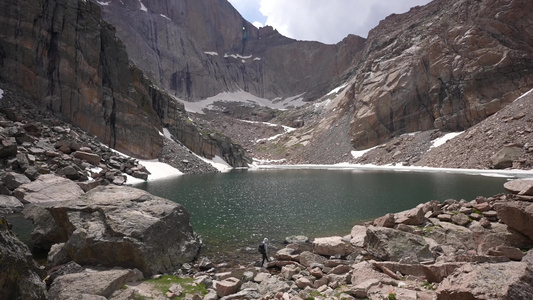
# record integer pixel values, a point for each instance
(66, 58)
(196, 49)
(447, 65)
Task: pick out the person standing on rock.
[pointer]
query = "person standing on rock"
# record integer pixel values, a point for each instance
(263, 249)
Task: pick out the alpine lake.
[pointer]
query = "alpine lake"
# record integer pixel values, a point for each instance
(234, 211)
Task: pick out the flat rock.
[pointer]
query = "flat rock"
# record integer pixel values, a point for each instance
(48, 188)
(332, 246)
(520, 186)
(511, 280)
(78, 285)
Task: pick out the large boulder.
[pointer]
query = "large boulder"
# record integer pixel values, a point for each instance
(505, 156)
(118, 226)
(512, 280)
(332, 246)
(517, 215)
(10, 204)
(90, 284)
(48, 188)
(395, 245)
(20, 276)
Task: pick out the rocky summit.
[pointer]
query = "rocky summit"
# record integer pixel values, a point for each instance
(90, 88)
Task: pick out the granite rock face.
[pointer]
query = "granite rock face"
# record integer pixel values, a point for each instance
(197, 49)
(446, 65)
(68, 60)
(117, 226)
(65, 58)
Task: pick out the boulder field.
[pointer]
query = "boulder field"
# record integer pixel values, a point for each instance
(104, 242)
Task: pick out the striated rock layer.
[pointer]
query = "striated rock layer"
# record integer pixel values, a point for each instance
(197, 49)
(66, 58)
(447, 65)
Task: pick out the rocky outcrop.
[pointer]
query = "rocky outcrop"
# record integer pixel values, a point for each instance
(68, 60)
(48, 188)
(446, 65)
(116, 226)
(197, 49)
(64, 57)
(511, 127)
(21, 276)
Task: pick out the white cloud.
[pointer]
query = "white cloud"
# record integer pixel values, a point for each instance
(329, 21)
(257, 24)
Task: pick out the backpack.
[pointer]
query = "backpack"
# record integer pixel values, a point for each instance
(261, 248)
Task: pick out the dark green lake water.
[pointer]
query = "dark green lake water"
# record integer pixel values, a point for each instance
(237, 209)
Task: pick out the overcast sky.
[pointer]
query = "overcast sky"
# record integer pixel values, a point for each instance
(327, 21)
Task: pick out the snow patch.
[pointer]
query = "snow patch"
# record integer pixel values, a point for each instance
(357, 154)
(443, 139)
(336, 90)
(1, 93)
(211, 53)
(102, 3)
(359, 167)
(143, 8)
(162, 15)
(237, 56)
(529, 92)
(243, 97)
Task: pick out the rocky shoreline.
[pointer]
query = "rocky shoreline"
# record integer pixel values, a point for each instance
(475, 249)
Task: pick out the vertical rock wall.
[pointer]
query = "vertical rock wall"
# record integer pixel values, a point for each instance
(447, 65)
(67, 59)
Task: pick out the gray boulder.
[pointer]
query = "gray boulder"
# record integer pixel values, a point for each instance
(48, 188)
(521, 186)
(505, 156)
(395, 245)
(332, 246)
(308, 259)
(10, 204)
(21, 277)
(517, 215)
(118, 226)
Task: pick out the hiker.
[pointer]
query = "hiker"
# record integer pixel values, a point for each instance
(263, 249)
